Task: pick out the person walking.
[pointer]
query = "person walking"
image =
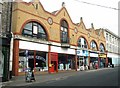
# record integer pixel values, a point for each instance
(33, 77)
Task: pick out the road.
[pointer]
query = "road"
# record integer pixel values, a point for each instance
(105, 77)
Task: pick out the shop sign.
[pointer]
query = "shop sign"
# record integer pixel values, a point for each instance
(93, 55)
(102, 55)
(37, 57)
(33, 46)
(62, 50)
(82, 52)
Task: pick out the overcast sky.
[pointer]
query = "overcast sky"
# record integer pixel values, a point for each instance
(101, 17)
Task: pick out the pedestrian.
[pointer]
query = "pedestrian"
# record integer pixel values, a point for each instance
(96, 65)
(33, 77)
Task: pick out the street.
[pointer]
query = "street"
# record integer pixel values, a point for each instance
(100, 77)
(106, 77)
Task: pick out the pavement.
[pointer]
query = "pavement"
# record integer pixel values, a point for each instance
(44, 77)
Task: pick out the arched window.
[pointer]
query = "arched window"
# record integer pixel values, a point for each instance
(101, 48)
(64, 32)
(93, 45)
(82, 43)
(34, 30)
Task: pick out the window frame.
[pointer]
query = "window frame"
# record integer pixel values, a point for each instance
(103, 48)
(79, 43)
(64, 32)
(92, 44)
(38, 34)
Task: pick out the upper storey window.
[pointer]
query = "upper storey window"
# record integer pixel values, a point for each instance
(34, 30)
(93, 45)
(64, 32)
(82, 43)
(102, 49)
(107, 36)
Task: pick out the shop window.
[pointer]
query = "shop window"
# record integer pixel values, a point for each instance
(34, 59)
(82, 43)
(34, 30)
(64, 32)
(102, 49)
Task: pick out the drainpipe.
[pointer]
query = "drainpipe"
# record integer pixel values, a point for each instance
(11, 42)
(11, 55)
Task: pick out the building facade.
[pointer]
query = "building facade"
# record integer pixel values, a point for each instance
(5, 38)
(112, 46)
(1, 68)
(51, 42)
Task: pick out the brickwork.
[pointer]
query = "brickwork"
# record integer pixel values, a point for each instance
(24, 12)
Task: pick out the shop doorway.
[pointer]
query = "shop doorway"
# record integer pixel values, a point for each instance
(110, 60)
(102, 62)
(80, 63)
(54, 62)
(93, 62)
(54, 66)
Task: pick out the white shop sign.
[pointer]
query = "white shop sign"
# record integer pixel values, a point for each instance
(93, 55)
(62, 50)
(112, 55)
(33, 46)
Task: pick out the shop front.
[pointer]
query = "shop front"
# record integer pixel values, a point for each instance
(66, 62)
(113, 59)
(53, 64)
(34, 59)
(1, 63)
(82, 60)
(30, 54)
(93, 60)
(102, 60)
(66, 58)
(5, 74)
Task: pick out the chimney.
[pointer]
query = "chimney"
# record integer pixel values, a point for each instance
(63, 4)
(81, 19)
(92, 26)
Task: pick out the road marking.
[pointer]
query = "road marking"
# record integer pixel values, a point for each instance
(91, 71)
(98, 69)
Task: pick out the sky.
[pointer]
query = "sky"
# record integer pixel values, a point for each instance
(100, 16)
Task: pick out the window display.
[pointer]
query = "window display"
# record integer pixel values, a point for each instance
(22, 64)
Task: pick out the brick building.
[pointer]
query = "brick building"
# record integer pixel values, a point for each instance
(51, 41)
